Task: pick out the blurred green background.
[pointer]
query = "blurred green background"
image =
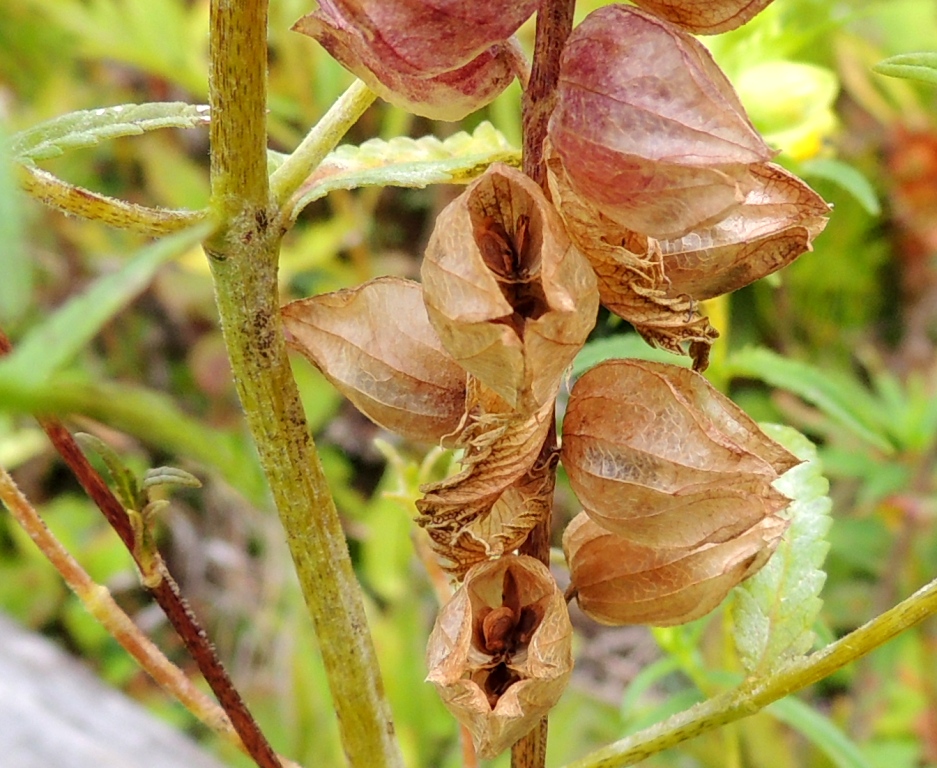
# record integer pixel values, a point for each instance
(840, 345)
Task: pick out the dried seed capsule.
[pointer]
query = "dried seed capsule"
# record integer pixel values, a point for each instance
(705, 17)
(438, 58)
(620, 582)
(659, 457)
(500, 653)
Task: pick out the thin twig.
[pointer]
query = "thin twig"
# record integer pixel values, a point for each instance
(99, 602)
(166, 592)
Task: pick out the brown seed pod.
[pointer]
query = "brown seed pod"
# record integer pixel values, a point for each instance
(657, 456)
(500, 654)
(620, 582)
(375, 344)
(442, 60)
(511, 298)
(706, 17)
(648, 128)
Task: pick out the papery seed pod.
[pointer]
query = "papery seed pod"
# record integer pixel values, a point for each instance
(504, 489)
(706, 17)
(441, 60)
(656, 284)
(375, 344)
(620, 582)
(647, 127)
(656, 455)
(511, 298)
(500, 654)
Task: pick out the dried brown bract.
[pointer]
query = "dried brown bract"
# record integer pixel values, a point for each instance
(658, 456)
(442, 60)
(620, 582)
(648, 128)
(501, 651)
(706, 17)
(511, 298)
(504, 489)
(375, 344)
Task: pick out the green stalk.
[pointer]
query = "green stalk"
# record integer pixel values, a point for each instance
(756, 694)
(243, 256)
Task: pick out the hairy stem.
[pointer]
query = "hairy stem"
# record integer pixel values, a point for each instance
(243, 257)
(321, 140)
(756, 694)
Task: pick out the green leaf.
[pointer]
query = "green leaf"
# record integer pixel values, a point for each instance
(169, 476)
(127, 489)
(774, 611)
(911, 66)
(51, 345)
(16, 269)
(840, 398)
(848, 177)
(406, 162)
(821, 731)
(89, 127)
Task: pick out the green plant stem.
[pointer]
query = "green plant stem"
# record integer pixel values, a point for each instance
(321, 140)
(77, 201)
(243, 257)
(758, 693)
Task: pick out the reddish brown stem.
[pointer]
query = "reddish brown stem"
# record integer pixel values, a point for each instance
(554, 23)
(166, 592)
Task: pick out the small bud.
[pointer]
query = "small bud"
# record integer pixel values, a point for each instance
(658, 456)
(500, 654)
(647, 127)
(620, 582)
(705, 17)
(375, 344)
(442, 60)
(511, 298)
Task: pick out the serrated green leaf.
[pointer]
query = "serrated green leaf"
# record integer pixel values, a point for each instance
(910, 66)
(16, 270)
(840, 398)
(774, 611)
(89, 127)
(821, 731)
(63, 334)
(846, 176)
(406, 162)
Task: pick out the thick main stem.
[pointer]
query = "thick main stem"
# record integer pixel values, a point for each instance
(243, 257)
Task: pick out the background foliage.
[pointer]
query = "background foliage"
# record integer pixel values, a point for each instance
(841, 345)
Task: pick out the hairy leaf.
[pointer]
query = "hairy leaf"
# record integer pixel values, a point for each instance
(406, 162)
(89, 127)
(775, 610)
